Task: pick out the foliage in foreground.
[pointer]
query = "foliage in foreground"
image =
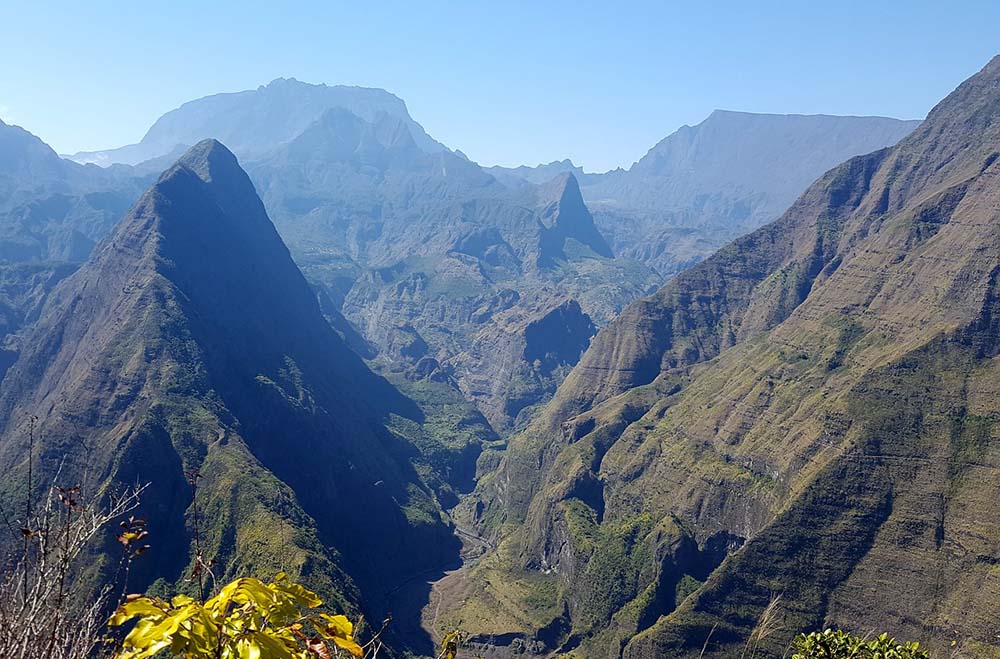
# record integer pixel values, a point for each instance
(838, 644)
(248, 619)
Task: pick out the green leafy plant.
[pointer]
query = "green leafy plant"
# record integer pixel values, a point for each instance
(248, 619)
(838, 644)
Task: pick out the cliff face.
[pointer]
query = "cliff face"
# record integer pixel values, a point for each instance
(815, 400)
(516, 362)
(190, 342)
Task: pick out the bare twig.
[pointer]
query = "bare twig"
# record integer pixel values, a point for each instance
(44, 611)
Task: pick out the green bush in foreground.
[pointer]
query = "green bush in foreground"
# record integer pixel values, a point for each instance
(248, 619)
(838, 644)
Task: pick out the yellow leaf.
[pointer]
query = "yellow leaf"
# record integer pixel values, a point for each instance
(450, 643)
(142, 606)
(337, 625)
(302, 595)
(180, 600)
(350, 645)
(247, 649)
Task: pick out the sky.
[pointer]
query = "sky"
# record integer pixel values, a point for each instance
(505, 81)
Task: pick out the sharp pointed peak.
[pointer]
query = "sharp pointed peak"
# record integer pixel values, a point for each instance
(560, 190)
(563, 182)
(208, 159)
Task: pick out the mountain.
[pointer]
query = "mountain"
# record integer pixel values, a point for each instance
(516, 176)
(53, 209)
(52, 213)
(705, 185)
(406, 241)
(808, 414)
(520, 358)
(254, 121)
(191, 343)
(744, 166)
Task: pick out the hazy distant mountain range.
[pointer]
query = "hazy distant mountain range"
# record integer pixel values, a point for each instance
(253, 121)
(704, 185)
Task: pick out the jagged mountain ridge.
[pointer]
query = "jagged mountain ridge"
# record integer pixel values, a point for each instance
(52, 209)
(411, 240)
(364, 206)
(808, 412)
(190, 342)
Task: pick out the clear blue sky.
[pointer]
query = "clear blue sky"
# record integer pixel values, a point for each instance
(507, 82)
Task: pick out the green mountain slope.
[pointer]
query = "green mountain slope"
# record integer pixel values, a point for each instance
(810, 412)
(190, 342)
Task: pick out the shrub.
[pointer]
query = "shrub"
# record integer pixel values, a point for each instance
(838, 644)
(248, 619)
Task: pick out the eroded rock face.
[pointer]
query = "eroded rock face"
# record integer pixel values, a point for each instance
(517, 361)
(818, 393)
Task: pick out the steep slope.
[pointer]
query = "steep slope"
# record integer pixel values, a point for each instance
(255, 121)
(520, 358)
(190, 342)
(808, 413)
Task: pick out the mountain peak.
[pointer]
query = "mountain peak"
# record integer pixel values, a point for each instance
(253, 122)
(281, 80)
(208, 159)
(565, 215)
(561, 189)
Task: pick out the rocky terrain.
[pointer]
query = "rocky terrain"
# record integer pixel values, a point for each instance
(806, 414)
(422, 250)
(520, 358)
(412, 248)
